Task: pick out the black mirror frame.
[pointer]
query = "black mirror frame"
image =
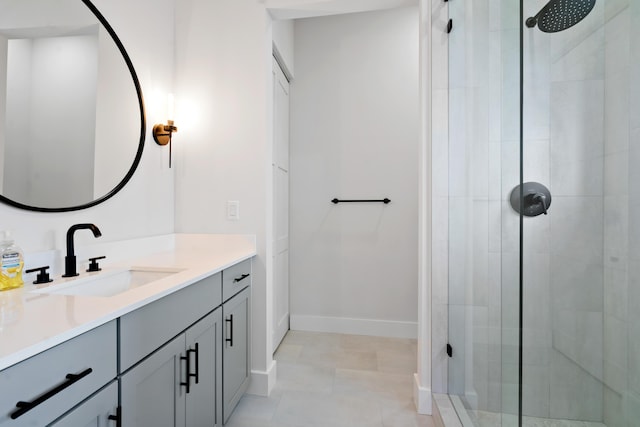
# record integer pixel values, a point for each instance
(143, 127)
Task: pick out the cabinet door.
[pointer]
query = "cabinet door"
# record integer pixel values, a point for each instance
(152, 394)
(94, 412)
(235, 354)
(204, 400)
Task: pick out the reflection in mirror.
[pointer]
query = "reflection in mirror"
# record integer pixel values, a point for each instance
(70, 115)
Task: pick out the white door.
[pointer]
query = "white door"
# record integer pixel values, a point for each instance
(280, 169)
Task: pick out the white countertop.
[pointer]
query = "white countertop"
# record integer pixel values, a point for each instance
(33, 322)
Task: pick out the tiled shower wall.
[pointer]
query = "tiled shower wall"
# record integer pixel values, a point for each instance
(621, 371)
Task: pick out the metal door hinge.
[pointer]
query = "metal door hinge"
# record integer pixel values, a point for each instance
(449, 350)
(449, 26)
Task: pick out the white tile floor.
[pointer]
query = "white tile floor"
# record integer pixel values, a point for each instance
(333, 380)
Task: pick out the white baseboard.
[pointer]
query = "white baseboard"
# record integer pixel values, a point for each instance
(344, 325)
(422, 397)
(262, 382)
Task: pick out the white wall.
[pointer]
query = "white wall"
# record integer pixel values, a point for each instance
(355, 135)
(145, 206)
(224, 146)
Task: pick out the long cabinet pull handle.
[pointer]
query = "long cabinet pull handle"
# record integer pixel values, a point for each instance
(117, 417)
(241, 278)
(197, 374)
(25, 407)
(189, 375)
(187, 382)
(230, 335)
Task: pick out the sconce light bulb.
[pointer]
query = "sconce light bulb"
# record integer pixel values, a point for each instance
(171, 107)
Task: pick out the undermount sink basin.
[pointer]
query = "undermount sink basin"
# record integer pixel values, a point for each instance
(108, 283)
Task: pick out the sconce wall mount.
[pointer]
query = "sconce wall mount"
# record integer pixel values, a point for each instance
(162, 135)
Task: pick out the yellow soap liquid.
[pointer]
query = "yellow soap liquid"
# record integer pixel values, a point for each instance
(11, 265)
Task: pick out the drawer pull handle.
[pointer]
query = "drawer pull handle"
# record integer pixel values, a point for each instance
(230, 322)
(241, 278)
(25, 407)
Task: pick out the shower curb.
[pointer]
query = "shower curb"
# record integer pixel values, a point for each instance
(444, 413)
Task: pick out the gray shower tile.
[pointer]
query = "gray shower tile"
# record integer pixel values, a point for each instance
(495, 171)
(576, 228)
(617, 113)
(574, 393)
(616, 233)
(536, 159)
(577, 138)
(617, 35)
(615, 293)
(614, 7)
(495, 85)
(613, 412)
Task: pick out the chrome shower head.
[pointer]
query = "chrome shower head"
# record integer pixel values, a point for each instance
(558, 15)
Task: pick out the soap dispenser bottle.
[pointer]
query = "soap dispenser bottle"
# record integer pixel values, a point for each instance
(11, 263)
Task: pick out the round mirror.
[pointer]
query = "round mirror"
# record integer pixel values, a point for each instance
(72, 122)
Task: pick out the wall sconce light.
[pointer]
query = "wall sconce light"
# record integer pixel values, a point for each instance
(162, 133)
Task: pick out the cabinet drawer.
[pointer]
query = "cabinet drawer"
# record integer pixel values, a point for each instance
(57, 379)
(144, 330)
(236, 278)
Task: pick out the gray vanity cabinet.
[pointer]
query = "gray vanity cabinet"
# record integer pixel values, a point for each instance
(95, 411)
(178, 385)
(180, 361)
(235, 377)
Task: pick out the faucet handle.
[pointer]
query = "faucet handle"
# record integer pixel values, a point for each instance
(93, 266)
(43, 275)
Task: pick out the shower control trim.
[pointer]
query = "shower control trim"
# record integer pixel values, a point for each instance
(536, 199)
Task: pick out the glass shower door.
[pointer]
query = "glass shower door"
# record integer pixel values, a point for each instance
(483, 253)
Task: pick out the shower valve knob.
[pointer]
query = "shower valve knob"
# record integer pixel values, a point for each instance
(541, 200)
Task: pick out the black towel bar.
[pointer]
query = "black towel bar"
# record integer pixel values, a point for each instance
(385, 201)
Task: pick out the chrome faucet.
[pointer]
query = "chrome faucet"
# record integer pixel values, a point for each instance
(70, 259)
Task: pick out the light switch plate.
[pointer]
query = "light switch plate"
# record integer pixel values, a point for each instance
(233, 210)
